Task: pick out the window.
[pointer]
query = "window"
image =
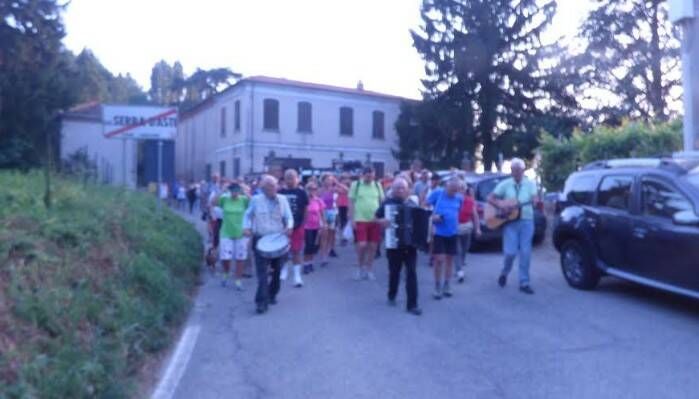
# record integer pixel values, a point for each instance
(615, 192)
(378, 125)
(223, 122)
(222, 169)
(485, 187)
(207, 172)
(580, 189)
(304, 117)
(271, 114)
(236, 116)
(662, 201)
(346, 123)
(236, 167)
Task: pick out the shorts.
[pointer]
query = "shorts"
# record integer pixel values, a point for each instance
(297, 237)
(330, 216)
(234, 248)
(368, 232)
(311, 247)
(444, 245)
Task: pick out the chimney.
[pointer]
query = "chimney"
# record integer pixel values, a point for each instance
(360, 85)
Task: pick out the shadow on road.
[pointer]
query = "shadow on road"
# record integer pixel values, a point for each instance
(648, 296)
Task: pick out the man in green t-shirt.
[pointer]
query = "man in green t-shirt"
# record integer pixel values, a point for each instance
(233, 243)
(517, 235)
(365, 196)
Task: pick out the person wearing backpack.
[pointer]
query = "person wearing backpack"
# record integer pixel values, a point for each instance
(365, 197)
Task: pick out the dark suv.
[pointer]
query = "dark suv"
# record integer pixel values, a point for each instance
(637, 219)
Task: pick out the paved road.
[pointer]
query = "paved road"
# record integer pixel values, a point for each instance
(337, 338)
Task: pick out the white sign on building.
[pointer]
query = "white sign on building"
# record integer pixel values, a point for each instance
(139, 122)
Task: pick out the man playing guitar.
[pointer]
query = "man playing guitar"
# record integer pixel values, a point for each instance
(517, 234)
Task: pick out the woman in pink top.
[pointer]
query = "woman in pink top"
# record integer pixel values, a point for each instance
(313, 222)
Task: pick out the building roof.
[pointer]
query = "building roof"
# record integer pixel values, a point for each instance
(293, 84)
(318, 86)
(90, 111)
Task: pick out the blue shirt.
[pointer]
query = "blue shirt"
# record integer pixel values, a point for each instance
(448, 208)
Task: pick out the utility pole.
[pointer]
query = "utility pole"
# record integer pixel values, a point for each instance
(684, 13)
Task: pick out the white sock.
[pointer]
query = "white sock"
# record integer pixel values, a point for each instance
(297, 274)
(284, 273)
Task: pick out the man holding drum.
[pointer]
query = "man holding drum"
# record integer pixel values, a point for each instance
(268, 220)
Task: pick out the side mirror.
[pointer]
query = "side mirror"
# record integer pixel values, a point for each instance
(686, 218)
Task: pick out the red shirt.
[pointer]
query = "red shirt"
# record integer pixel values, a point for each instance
(466, 212)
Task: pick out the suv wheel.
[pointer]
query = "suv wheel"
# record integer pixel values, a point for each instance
(578, 266)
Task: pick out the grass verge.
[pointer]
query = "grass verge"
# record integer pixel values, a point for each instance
(89, 288)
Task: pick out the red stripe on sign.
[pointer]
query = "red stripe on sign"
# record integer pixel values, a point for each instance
(145, 121)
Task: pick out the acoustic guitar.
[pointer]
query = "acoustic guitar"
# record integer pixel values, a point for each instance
(496, 217)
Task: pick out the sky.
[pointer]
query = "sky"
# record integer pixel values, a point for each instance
(336, 42)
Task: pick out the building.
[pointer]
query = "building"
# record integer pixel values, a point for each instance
(262, 122)
(131, 163)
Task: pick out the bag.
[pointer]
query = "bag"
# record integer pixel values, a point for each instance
(348, 232)
(465, 228)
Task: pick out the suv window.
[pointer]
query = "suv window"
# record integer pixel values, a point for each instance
(662, 201)
(615, 192)
(486, 186)
(580, 189)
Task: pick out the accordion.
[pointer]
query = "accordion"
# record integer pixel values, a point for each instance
(409, 226)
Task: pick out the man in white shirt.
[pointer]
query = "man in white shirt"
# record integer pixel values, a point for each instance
(268, 213)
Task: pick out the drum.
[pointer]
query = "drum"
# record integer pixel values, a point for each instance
(273, 246)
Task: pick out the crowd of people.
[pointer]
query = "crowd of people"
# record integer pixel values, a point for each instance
(315, 212)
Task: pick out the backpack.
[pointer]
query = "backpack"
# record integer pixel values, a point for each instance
(376, 185)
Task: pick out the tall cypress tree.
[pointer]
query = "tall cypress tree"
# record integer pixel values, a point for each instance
(483, 58)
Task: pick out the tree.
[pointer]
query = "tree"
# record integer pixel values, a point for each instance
(484, 58)
(161, 84)
(34, 85)
(632, 57)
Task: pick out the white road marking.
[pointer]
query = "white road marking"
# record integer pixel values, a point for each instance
(178, 364)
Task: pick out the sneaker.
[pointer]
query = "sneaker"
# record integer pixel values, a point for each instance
(224, 280)
(502, 280)
(415, 311)
(446, 291)
(392, 302)
(239, 285)
(437, 294)
(333, 254)
(359, 275)
(526, 289)
(460, 276)
(370, 276)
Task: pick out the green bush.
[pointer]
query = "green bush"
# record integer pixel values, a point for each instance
(88, 288)
(560, 158)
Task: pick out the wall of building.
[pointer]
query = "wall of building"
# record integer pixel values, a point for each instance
(115, 160)
(200, 141)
